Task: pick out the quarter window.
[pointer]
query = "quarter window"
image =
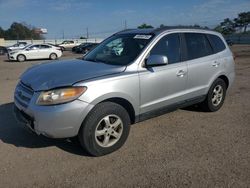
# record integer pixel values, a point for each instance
(217, 43)
(197, 45)
(168, 46)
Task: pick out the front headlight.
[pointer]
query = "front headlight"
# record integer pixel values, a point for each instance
(59, 96)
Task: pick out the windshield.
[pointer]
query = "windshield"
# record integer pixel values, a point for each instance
(119, 49)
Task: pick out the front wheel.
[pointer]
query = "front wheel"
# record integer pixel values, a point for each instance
(105, 129)
(216, 96)
(21, 58)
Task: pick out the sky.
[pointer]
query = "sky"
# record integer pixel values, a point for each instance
(104, 17)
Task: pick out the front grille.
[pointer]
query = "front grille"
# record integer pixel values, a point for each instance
(23, 94)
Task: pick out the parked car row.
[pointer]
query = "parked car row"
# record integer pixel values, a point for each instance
(22, 51)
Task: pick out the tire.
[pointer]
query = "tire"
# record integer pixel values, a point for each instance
(215, 97)
(105, 129)
(21, 58)
(53, 56)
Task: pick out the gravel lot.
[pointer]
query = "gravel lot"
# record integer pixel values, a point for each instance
(185, 148)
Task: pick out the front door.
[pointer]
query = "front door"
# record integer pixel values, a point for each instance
(32, 52)
(164, 85)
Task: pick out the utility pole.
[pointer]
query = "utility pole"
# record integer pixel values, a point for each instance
(87, 34)
(125, 24)
(63, 33)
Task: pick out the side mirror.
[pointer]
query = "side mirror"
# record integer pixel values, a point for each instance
(27, 49)
(156, 60)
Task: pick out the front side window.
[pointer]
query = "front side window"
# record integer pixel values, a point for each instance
(34, 47)
(197, 45)
(168, 46)
(119, 49)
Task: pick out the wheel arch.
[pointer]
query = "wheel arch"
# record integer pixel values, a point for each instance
(22, 55)
(225, 79)
(124, 103)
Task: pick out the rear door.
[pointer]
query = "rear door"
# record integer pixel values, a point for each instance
(164, 85)
(202, 64)
(45, 51)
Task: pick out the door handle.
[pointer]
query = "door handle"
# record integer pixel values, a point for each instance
(180, 73)
(215, 64)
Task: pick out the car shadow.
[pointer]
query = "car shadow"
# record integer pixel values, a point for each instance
(11, 132)
(193, 108)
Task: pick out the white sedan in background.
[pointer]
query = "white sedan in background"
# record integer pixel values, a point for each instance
(17, 46)
(36, 51)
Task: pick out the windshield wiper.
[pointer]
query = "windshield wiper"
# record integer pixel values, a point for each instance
(92, 60)
(101, 61)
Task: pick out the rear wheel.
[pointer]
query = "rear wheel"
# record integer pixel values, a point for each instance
(215, 97)
(53, 56)
(21, 58)
(105, 129)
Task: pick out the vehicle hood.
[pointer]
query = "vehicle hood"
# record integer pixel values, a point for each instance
(65, 73)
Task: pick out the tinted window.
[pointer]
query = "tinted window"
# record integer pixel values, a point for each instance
(197, 45)
(34, 47)
(168, 46)
(44, 47)
(217, 43)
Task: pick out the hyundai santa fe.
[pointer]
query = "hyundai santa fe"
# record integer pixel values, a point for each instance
(131, 76)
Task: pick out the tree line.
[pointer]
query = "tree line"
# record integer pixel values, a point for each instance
(229, 26)
(20, 31)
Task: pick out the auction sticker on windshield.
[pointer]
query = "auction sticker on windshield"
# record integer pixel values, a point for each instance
(142, 36)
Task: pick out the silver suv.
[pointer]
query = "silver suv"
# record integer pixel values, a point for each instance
(131, 76)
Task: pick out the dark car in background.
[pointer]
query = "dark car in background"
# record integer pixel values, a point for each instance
(84, 48)
(229, 42)
(3, 50)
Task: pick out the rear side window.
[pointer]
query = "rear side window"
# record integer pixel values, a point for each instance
(197, 45)
(168, 46)
(44, 47)
(217, 44)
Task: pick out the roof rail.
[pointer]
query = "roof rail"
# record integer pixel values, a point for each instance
(180, 27)
(124, 30)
